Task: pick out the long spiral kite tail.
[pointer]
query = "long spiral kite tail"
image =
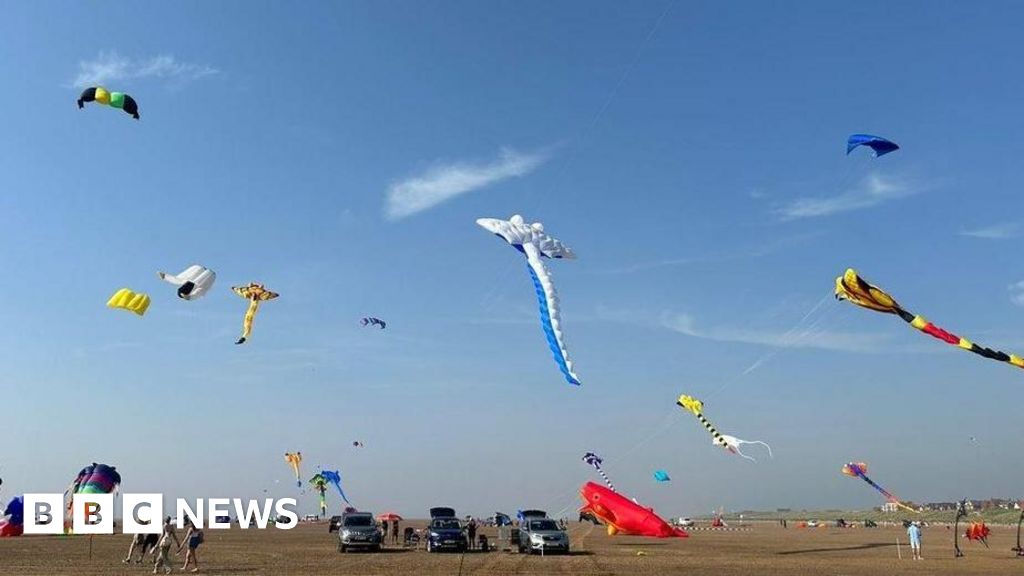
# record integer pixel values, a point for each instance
(606, 480)
(851, 287)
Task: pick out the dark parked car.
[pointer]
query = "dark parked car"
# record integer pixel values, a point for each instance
(359, 530)
(445, 531)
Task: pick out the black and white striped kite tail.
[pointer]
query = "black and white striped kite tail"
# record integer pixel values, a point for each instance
(715, 434)
(606, 480)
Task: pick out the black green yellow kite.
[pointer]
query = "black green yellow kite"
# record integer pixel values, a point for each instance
(103, 96)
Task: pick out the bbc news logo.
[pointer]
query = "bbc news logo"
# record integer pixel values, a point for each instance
(144, 513)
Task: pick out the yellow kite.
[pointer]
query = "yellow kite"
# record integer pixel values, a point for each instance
(128, 300)
(255, 294)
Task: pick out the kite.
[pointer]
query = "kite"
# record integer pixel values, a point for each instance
(319, 483)
(730, 443)
(12, 522)
(850, 286)
(101, 95)
(535, 244)
(357, 444)
(334, 477)
(93, 479)
(294, 459)
(125, 299)
(860, 470)
(596, 461)
(661, 476)
(623, 516)
(371, 321)
(193, 281)
(978, 531)
(879, 145)
(255, 294)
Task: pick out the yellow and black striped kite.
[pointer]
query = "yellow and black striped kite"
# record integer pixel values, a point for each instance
(852, 287)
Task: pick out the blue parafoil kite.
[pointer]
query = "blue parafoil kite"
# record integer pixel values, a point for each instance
(371, 321)
(881, 146)
(535, 244)
(334, 477)
(661, 476)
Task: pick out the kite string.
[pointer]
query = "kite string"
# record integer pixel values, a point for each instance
(788, 339)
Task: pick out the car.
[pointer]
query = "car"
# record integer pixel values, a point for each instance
(542, 534)
(812, 523)
(359, 530)
(334, 524)
(445, 531)
(685, 522)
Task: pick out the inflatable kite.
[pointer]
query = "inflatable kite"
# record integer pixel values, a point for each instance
(978, 532)
(93, 479)
(879, 145)
(535, 244)
(125, 299)
(294, 459)
(370, 321)
(860, 470)
(853, 288)
(730, 443)
(661, 476)
(596, 461)
(255, 294)
(118, 100)
(193, 282)
(334, 477)
(319, 483)
(12, 522)
(357, 444)
(623, 516)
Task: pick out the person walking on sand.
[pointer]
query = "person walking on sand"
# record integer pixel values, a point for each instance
(142, 543)
(471, 529)
(394, 531)
(193, 538)
(164, 547)
(914, 533)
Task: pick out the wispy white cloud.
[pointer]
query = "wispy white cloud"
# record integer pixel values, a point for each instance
(1002, 231)
(444, 182)
(874, 190)
(810, 337)
(1017, 293)
(111, 67)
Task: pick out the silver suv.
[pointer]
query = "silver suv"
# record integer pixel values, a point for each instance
(358, 530)
(542, 535)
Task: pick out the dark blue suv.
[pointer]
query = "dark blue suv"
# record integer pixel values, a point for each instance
(445, 531)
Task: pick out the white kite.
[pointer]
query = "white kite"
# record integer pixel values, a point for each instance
(192, 283)
(531, 240)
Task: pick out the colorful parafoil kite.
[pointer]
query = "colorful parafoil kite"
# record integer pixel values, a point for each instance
(371, 321)
(334, 477)
(255, 294)
(193, 282)
(594, 460)
(93, 479)
(125, 299)
(879, 145)
(730, 443)
(623, 516)
(12, 522)
(319, 483)
(661, 476)
(860, 470)
(101, 95)
(851, 287)
(294, 459)
(535, 244)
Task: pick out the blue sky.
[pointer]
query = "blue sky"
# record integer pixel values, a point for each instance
(340, 154)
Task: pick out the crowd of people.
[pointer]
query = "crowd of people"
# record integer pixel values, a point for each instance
(159, 545)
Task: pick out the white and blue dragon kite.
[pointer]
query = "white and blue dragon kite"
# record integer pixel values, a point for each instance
(531, 240)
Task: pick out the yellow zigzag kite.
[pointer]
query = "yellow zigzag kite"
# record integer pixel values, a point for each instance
(128, 300)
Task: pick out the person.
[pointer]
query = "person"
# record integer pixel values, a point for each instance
(164, 547)
(142, 542)
(471, 529)
(394, 531)
(914, 533)
(193, 538)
